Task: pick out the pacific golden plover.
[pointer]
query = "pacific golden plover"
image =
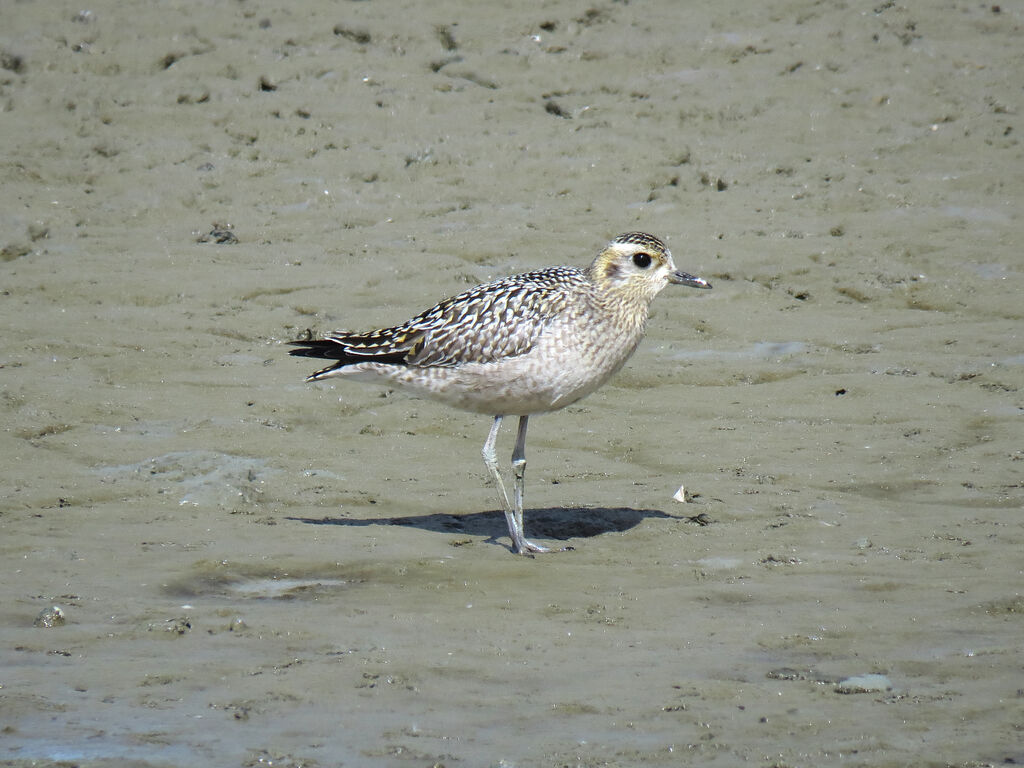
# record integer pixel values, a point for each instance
(526, 344)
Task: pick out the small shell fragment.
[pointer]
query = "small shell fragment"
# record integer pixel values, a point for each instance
(50, 617)
(873, 683)
(681, 496)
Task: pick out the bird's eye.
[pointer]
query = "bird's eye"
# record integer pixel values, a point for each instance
(642, 260)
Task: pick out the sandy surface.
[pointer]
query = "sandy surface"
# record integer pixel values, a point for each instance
(256, 570)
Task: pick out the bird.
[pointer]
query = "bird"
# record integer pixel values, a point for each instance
(523, 345)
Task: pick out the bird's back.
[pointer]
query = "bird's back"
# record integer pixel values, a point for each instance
(485, 324)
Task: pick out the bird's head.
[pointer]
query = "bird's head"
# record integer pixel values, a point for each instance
(636, 265)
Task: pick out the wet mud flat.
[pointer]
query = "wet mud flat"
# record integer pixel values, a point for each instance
(249, 569)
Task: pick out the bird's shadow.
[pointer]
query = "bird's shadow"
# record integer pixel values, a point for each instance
(560, 523)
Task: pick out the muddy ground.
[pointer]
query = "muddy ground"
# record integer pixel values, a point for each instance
(254, 570)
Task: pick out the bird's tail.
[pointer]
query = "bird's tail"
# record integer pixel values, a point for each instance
(350, 348)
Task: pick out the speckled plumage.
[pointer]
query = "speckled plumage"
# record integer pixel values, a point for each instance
(525, 344)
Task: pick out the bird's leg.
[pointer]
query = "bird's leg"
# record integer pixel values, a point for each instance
(491, 460)
(519, 470)
(513, 515)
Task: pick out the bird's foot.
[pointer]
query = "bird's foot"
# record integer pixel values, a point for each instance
(529, 548)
